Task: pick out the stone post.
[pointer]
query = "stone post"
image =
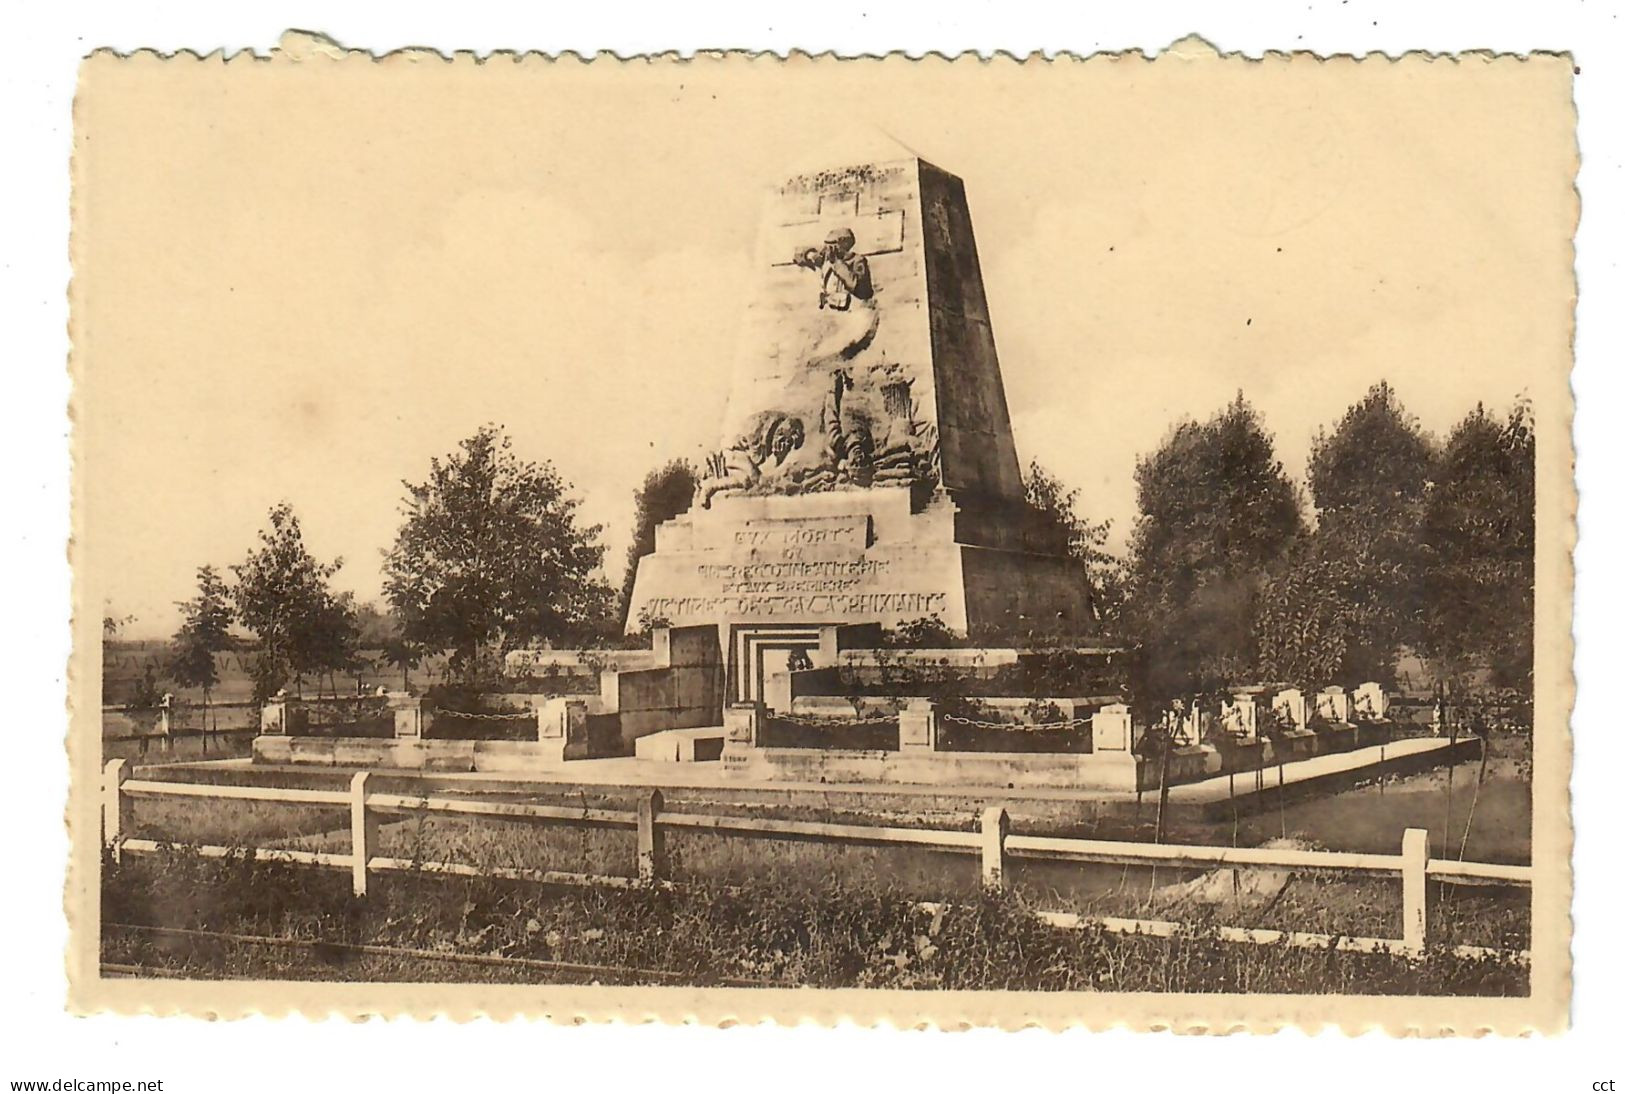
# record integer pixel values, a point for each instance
(1414, 888)
(660, 644)
(561, 728)
(1332, 704)
(1110, 729)
(166, 715)
(118, 808)
(995, 830)
(413, 714)
(742, 723)
(274, 715)
(651, 838)
(917, 726)
(363, 833)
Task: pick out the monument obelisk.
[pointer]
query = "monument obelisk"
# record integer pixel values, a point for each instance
(867, 473)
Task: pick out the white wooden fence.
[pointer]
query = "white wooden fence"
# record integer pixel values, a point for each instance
(992, 842)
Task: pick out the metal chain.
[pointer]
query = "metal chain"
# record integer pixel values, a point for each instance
(487, 717)
(1070, 723)
(830, 723)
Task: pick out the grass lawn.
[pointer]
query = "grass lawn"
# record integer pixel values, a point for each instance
(811, 934)
(1368, 818)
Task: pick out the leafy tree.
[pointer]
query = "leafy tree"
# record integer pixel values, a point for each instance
(1478, 539)
(405, 655)
(282, 595)
(1217, 518)
(666, 492)
(374, 626)
(490, 556)
(328, 641)
(1352, 597)
(1054, 509)
(1302, 621)
(205, 620)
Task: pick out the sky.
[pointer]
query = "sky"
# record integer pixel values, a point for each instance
(302, 281)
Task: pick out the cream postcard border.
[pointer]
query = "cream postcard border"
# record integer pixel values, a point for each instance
(1545, 1010)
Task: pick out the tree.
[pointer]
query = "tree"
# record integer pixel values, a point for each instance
(328, 640)
(666, 492)
(1217, 519)
(374, 626)
(1478, 541)
(405, 655)
(1351, 599)
(490, 556)
(1058, 526)
(282, 595)
(205, 620)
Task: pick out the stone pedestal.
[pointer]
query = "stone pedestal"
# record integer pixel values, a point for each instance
(917, 726)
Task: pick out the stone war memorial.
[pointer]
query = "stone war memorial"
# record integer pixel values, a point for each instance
(867, 474)
(859, 591)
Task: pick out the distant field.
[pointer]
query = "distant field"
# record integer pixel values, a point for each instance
(125, 662)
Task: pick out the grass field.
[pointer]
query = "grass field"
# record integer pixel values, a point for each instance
(1365, 818)
(765, 932)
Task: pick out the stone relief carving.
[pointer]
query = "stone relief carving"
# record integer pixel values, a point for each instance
(871, 433)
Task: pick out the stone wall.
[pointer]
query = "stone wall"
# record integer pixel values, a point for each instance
(684, 690)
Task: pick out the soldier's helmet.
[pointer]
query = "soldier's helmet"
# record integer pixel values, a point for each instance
(842, 238)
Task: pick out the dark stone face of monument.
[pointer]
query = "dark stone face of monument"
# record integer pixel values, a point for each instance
(866, 471)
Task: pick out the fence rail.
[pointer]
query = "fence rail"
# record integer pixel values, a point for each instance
(991, 841)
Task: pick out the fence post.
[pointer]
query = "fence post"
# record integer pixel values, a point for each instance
(651, 840)
(118, 810)
(995, 827)
(363, 833)
(1414, 885)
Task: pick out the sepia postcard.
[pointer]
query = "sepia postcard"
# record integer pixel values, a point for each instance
(942, 542)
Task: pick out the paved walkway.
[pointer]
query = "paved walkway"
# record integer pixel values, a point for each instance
(629, 771)
(1369, 760)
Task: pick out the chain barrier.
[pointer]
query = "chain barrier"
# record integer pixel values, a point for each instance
(1070, 723)
(487, 717)
(830, 723)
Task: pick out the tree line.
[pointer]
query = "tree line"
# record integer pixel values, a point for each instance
(490, 554)
(1404, 545)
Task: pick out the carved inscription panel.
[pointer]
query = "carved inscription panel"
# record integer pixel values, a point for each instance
(812, 569)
